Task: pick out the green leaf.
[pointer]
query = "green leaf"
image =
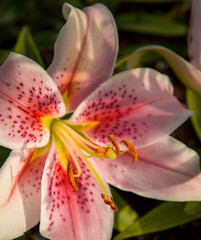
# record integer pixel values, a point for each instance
(78, 3)
(153, 1)
(188, 74)
(46, 39)
(150, 24)
(67, 116)
(4, 153)
(165, 216)
(126, 53)
(26, 46)
(194, 103)
(7, 15)
(22, 237)
(3, 55)
(125, 215)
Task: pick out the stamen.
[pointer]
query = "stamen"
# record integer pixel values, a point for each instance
(109, 201)
(131, 149)
(109, 152)
(71, 177)
(70, 137)
(114, 207)
(77, 135)
(114, 142)
(71, 141)
(62, 153)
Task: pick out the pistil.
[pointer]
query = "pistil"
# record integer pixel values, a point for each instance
(75, 143)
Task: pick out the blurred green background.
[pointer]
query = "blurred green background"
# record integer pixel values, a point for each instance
(139, 22)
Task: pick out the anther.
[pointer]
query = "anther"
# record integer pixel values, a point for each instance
(114, 207)
(114, 142)
(71, 177)
(131, 149)
(109, 201)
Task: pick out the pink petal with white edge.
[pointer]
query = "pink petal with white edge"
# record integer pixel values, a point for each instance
(137, 105)
(166, 170)
(68, 47)
(20, 194)
(66, 214)
(194, 37)
(27, 93)
(86, 58)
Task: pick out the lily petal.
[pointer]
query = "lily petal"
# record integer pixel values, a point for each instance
(27, 93)
(86, 58)
(166, 170)
(137, 105)
(194, 37)
(185, 71)
(20, 193)
(78, 215)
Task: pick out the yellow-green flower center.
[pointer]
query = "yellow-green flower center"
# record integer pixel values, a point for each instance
(70, 141)
(72, 145)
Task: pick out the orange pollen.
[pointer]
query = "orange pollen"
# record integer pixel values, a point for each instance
(109, 201)
(114, 142)
(114, 207)
(71, 177)
(131, 149)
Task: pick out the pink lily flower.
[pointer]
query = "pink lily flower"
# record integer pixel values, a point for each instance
(59, 169)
